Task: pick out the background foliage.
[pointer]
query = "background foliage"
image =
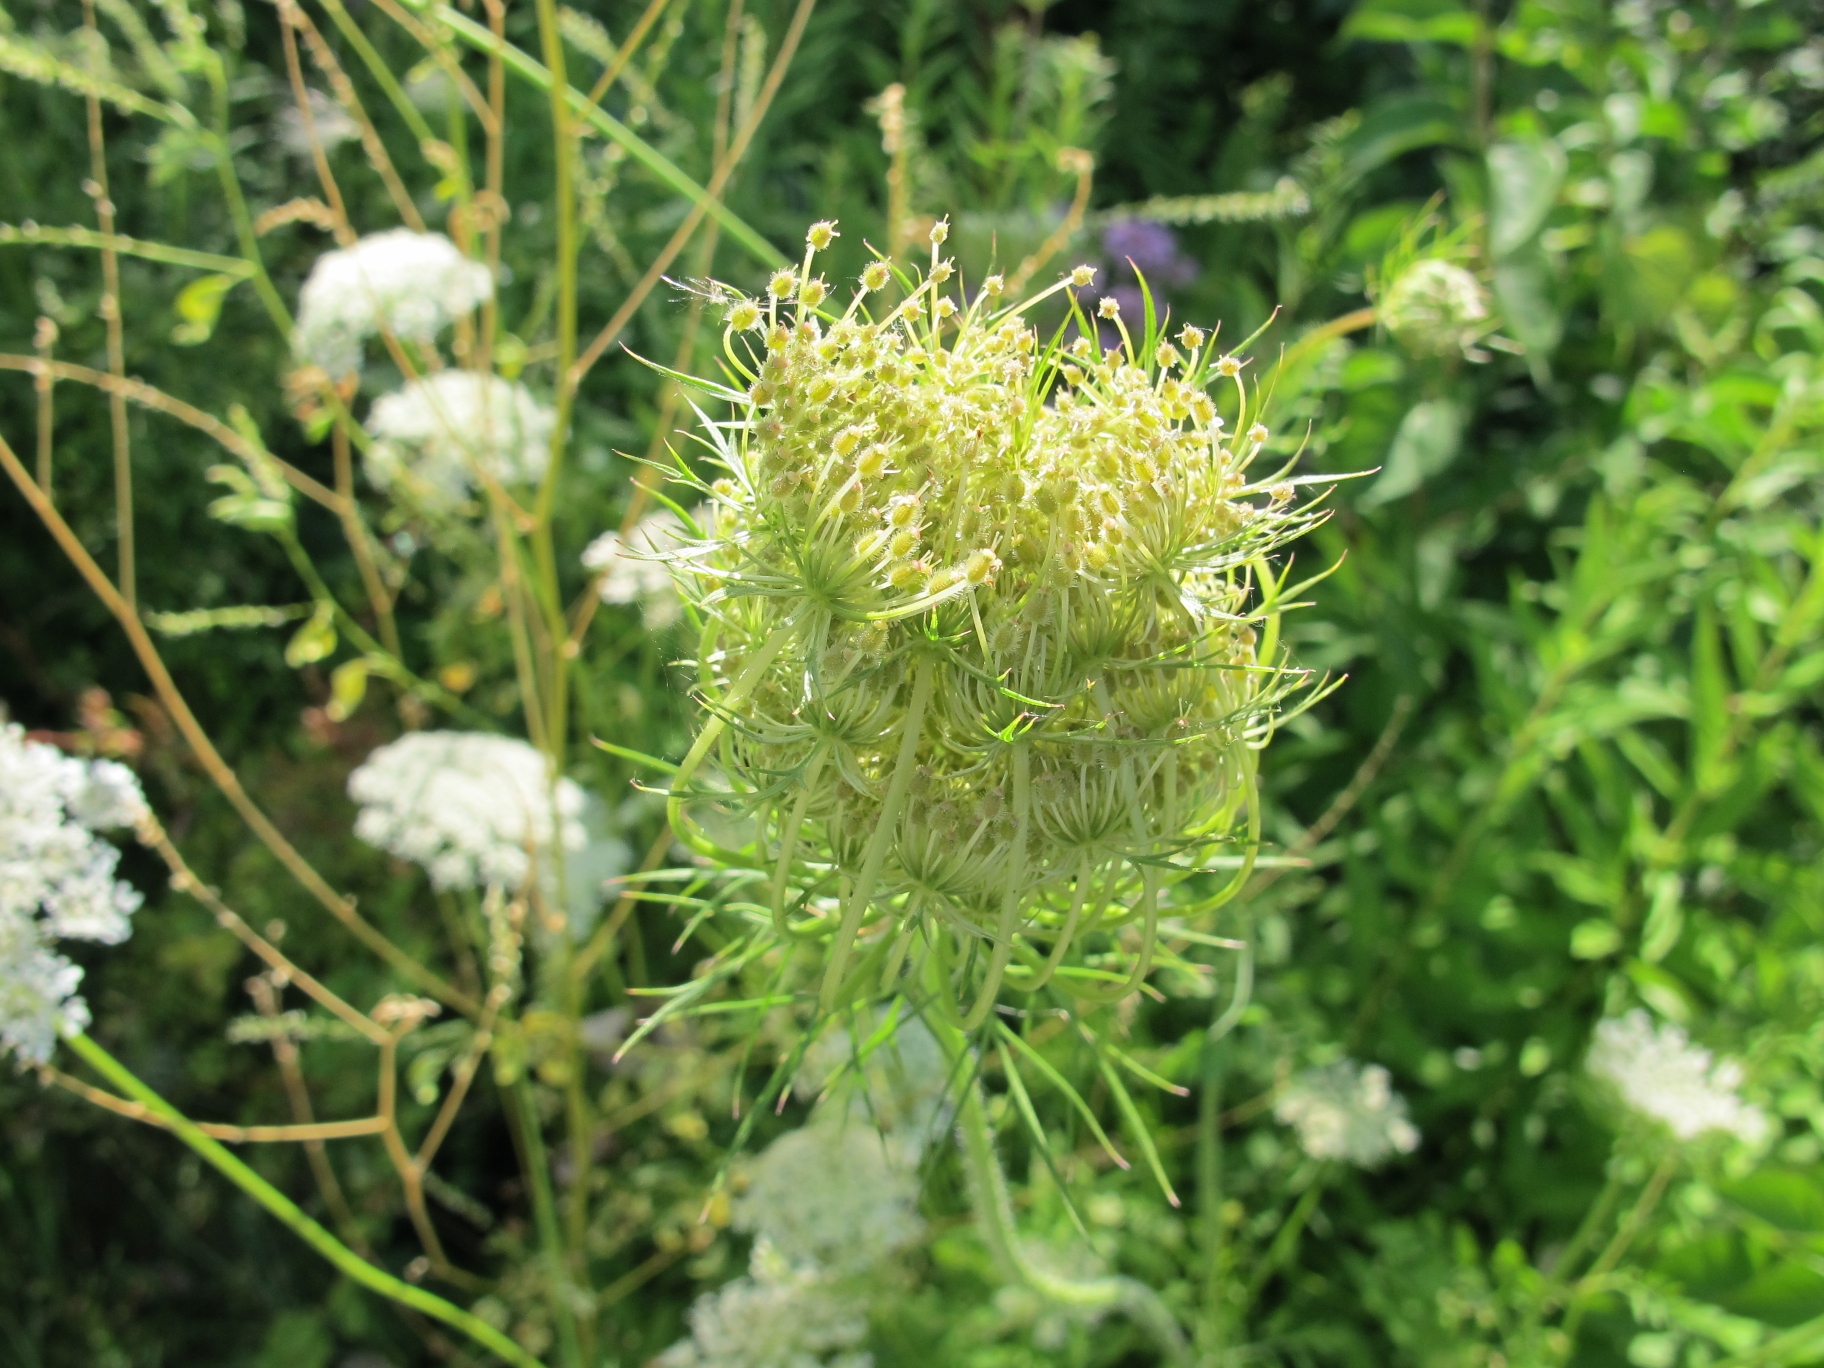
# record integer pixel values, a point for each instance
(1578, 764)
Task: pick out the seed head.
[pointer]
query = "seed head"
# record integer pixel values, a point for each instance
(939, 231)
(994, 286)
(1191, 337)
(1082, 277)
(1110, 307)
(875, 275)
(821, 235)
(1034, 597)
(1228, 367)
(744, 314)
(811, 293)
(783, 284)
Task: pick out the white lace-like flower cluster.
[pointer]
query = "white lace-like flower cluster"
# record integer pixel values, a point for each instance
(629, 576)
(438, 433)
(827, 1203)
(56, 883)
(1661, 1074)
(1347, 1111)
(776, 1317)
(473, 810)
(411, 285)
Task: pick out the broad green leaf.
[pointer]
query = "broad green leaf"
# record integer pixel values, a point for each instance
(1428, 440)
(347, 687)
(1523, 181)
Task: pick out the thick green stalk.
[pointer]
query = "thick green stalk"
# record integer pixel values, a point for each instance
(345, 1260)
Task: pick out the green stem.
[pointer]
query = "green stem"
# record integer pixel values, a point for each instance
(862, 892)
(523, 1116)
(237, 203)
(345, 1260)
(1286, 1241)
(994, 1218)
(1209, 1198)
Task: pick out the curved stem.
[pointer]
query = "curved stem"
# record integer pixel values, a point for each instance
(861, 893)
(1010, 898)
(994, 1218)
(347, 1262)
(788, 839)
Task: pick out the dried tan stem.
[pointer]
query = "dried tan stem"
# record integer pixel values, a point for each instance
(712, 194)
(233, 1135)
(344, 233)
(110, 314)
(148, 396)
(211, 759)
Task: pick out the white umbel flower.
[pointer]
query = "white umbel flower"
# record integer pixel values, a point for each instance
(1661, 1074)
(776, 1317)
(835, 1193)
(1347, 1111)
(473, 810)
(56, 882)
(435, 435)
(408, 284)
(629, 574)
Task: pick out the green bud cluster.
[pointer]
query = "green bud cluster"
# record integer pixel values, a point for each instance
(987, 622)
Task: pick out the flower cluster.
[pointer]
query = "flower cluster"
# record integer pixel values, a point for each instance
(56, 883)
(473, 810)
(408, 284)
(436, 439)
(981, 610)
(630, 572)
(1347, 1111)
(1662, 1075)
(776, 1317)
(828, 1204)
(1435, 308)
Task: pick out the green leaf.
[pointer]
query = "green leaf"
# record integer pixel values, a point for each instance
(1428, 440)
(347, 687)
(1524, 291)
(199, 304)
(1412, 21)
(1784, 1198)
(1665, 918)
(1523, 181)
(315, 640)
(1594, 939)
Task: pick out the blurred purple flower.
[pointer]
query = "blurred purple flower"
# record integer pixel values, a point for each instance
(1150, 248)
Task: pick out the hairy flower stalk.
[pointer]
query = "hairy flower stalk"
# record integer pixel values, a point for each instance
(982, 617)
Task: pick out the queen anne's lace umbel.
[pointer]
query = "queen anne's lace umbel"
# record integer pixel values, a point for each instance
(411, 285)
(631, 573)
(1662, 1075)
(56, 883)
(1349, 1112)
(981, 611)
(437, 435)
(474, 810)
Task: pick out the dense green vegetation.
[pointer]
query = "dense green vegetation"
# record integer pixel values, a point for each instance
(1576, 766)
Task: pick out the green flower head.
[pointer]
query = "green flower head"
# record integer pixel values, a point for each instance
(987, 624)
